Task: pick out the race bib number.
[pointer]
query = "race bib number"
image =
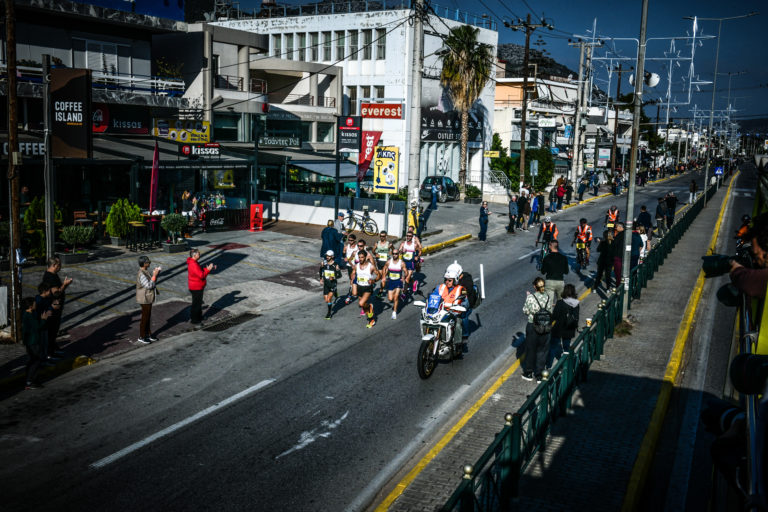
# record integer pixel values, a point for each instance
(394, 276)
(363, 281)
(609, 225)
(383, 256)
(408, 256)
(329, 274)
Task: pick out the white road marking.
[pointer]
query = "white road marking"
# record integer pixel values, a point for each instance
(176, 426)
(308, 437)
(529, 254)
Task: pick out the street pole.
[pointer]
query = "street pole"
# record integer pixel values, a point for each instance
(338, 165)
(712, 112)
(638, 105)
(616, 125)
(677, 157)
(586, 96)
(47, 163)
(577, 123)
(482, 167)
(14, 160)
(524, 114)
(417, 63)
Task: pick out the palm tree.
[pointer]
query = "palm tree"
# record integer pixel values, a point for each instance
(466, 69)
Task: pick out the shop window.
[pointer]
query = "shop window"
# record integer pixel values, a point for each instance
(325, 132)
(381, 44)
(367, 44)
(225, 126)
(326, 46)
(352, 99)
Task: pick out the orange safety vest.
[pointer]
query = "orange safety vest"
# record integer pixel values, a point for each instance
(451, 295)
(585, 234)
(612, 216)
(552, 230)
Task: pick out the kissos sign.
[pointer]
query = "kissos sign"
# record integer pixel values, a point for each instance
(386, 169)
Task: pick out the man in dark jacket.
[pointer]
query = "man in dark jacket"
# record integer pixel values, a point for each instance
(332, 241)
(644, 219)
(671, 201)
(554, 267)
(513, 213)
(661, 216)
(52, 279)
(618, 251)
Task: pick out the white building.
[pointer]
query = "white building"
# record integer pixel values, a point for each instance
(375, 50)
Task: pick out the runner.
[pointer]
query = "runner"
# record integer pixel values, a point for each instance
(584, 235)
(350, 253)
(330, 272)
(418, 261)
(410, 250)
(382, 249)
(362, 246)
(395, 272)
(366, 275)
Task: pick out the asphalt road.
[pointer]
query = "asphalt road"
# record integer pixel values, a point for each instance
(327, 412)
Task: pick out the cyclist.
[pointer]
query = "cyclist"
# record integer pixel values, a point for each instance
(453, 294)
(381, 249)
(350, 253)
(548, 231)
(584, 235)
(612, 217)
(410, 250)
(366, 275)
(742, 231)
(395, 273)
(330, 272)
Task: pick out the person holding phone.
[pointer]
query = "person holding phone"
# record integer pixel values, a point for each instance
(196, 279)
(51, 277)
(146, 292)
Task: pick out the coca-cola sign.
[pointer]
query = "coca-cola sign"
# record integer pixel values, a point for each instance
(370, 140)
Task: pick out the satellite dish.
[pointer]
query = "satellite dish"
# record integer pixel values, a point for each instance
(652, 80)
(632, 79)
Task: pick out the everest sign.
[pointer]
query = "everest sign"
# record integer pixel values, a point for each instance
(370, 139)
(381, 110)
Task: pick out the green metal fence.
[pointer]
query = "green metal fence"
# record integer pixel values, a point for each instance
(491, 483)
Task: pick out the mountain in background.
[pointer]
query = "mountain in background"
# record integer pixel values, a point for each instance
(513, 54)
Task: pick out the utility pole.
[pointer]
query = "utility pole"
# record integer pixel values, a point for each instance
(586, 95)
(47, 162)
(616, 123)
(414, 150)
(14, 160)
(577, 119)
(638, 106)
(529, 28)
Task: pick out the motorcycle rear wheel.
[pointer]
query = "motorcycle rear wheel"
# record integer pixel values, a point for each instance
(427, 359)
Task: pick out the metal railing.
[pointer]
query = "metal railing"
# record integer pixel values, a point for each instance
(498, 177)
(491, 483)
(236, 83)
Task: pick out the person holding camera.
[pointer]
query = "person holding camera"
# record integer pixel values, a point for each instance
(146, 292)
(753, 281)
(196, 280)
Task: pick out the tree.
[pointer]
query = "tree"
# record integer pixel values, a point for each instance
(466, 69)
(504, 162)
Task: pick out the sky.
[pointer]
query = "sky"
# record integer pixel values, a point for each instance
(743, 47)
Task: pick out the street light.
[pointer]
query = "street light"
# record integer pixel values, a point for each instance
(714, 85)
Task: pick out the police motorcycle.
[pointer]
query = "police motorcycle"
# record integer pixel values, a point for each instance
(438, 330)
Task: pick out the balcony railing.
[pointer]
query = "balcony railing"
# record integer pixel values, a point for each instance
(236, 83)
(302, 99)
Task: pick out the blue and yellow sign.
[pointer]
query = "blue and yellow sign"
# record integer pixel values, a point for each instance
(385, 169)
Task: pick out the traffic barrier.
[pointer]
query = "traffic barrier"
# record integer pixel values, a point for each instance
(442, 245)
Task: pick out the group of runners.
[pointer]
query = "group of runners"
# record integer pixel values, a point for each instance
(392, 266)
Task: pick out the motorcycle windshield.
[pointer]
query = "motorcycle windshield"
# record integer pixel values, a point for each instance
(433, 302)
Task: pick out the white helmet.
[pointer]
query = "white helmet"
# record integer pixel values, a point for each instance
(414, 203)
(454, 269)
(450, 274)
(329, 253)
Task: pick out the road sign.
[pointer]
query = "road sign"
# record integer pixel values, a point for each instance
(718, 171)
(491, 154)
(385, 169)
(534, 167)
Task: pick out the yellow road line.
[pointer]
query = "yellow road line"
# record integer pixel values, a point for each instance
(647, 450)
(413, 473)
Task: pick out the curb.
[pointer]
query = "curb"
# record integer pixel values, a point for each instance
(442, 245)
(608, 194)
(16, 381)
(645, 455)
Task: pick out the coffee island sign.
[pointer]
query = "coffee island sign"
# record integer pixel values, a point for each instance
(71, 100)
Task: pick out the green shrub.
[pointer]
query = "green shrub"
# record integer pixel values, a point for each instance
(472, 191)
(36, 210)
(173, 223)
(120, 214)
(77, 235)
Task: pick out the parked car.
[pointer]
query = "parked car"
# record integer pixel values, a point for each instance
(446, 189)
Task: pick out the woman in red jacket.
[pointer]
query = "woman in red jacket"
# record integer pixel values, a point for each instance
(196, 278)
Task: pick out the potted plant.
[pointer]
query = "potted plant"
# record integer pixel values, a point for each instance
(34, 226)
(120, 215)
(75, 236)
(472, 195)
(174, 223)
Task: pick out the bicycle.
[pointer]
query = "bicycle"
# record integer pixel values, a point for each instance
(542, 253)
(581, 254)
(362, 222)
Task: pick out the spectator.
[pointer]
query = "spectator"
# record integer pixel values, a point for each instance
(435, 192)
(671, 201)
(331, 240)
(534, 209)
(554, 267)
(540, 210)
(583, 184)
(512, 215)
(553, 199)
(692, 189)
(43, 303)
(146, 292)
(595, 180)
(483, 221)
(565, 318)
(196, 280)
(661, 216)
(339, 225)
(568, 191)
(646, 242)
(644, 219)
(637, 246)
(51, 277)
(34, 335)
(536, 343)
(604, 260)
(618, 251)
(560, 196)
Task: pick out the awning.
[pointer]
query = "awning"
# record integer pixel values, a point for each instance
(319, 163)
(132, 149)
(346, 169)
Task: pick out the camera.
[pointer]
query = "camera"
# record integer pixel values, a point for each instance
(717, 265)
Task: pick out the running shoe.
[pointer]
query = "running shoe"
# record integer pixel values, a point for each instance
(527, 376)
(362, 312)
(415, 286)
(371, 323)
(142, 341)
(394, 315)
(348, 299)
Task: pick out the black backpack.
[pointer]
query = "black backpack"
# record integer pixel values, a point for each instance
(542, 319)
(571, 317)
(469, 285)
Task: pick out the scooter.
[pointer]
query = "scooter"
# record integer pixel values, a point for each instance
(438, 328)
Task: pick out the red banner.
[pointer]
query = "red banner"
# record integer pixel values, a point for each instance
(370, 139)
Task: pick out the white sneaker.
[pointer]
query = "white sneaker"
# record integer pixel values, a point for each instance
(394, 315)
(142, 341)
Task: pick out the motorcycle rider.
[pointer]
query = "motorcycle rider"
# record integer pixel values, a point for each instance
(453, 294)
(330, 272)
(583, 234)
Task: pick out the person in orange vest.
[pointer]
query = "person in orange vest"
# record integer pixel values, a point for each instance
(548, 231)
(455, 295)
(612, 217)
(742, 231)
(583, 234)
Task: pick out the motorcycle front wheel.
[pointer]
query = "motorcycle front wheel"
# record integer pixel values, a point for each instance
(427, 359)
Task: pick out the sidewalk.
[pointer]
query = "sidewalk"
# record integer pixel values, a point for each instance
(589, 456)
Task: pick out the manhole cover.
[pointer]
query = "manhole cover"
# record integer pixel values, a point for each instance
(231, 322)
